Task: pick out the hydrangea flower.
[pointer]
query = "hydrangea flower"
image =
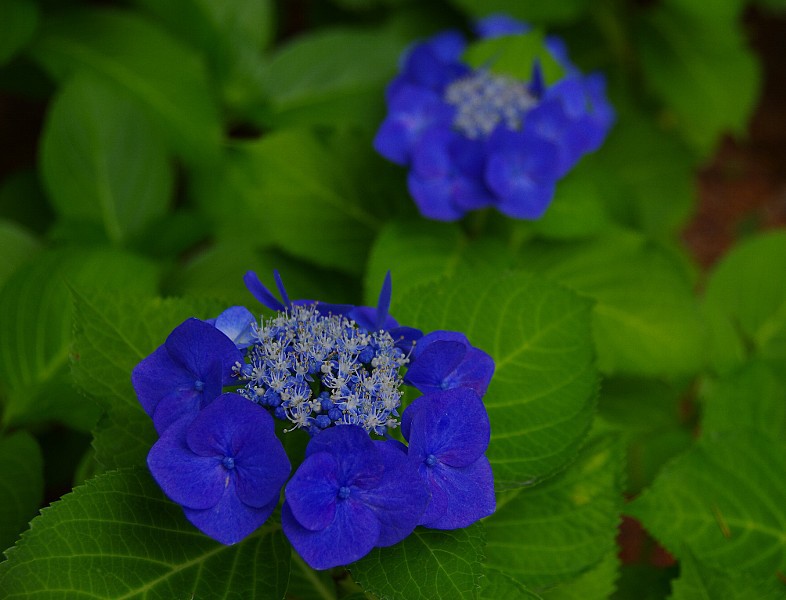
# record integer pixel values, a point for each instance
(350, 495)
(226, 467)
(448, 433)
(185, 373)
(443, 360)
(474, 138)
(237, 323)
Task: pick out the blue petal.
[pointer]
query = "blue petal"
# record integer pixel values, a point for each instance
(235, 427)
(178, 404)
(261, 293)
(157, 376)
(428, 371)
(237, 323)
(313, 490)
(352, 534)
(188, 479)
(358, 463)
(498, 25)
(230, 521)
(198, 347)
(452, 425)
(468, 492)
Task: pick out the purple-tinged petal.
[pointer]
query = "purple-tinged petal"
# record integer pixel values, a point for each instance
(230, 521)
(405, 337)
(179, 404)
(498, 25)
(355, 454)
(451, 426)
(188, 479)
(157, 376)
(468, 491)
(433, 197)
(198, 346)
(261, 293)
(237, 324)
(352, 534)
(424, 66)
(432, 366)
(400, 498)
(313, 491)
(447, 46)
(439, 335)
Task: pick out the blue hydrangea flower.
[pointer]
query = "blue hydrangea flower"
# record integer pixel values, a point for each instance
(473, 139)
(237, 323)
(185, 373)
(349, 495)
(443, 360)
(226, 467)
(448, 433)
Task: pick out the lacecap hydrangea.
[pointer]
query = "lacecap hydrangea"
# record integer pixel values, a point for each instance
(474, 135)
(334, 371)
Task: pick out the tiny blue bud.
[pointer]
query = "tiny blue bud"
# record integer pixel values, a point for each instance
(343, 492)
(228, 462)
(431, 460)
(199, 385)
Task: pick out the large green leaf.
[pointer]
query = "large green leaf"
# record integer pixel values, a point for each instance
(698, 63)
(745, 302)
(598, 583)
(18, 244)
(123, 437)
(331, 76)
(21, 484)
(306, 583)
(645, 319)
(19, 21)
(141, 60)
(553, 532)
(118, 537)
(103, 161)
(722, 502)
(36, 329)
(428, 565)
(542, 395)
(499, 586)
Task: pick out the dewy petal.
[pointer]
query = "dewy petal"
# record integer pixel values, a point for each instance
(236, 323)
(355, 454)
(194, 481)
(313, 491)
(352, 534)
(230, 521)
(198, 346)
(233, 426)
(400, 498)
(468, 491)
(451, 425)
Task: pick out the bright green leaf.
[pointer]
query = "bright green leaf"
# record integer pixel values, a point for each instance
(598, 583)
(21, 484)
(553, 532)
(514, 56)
(17, 26)
(332, 76)
(745, 301)
(123, 437)
(118, 537)
(34, 354)
(723, 502)
(103, 161)
(18, 245)
(542, 395)
(645, 320)
(428, 565)
(141, 60)
(499, 586)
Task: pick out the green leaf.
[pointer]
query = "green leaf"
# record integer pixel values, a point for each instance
(750, 398)
(645, 320)
(499, 586)
(428, 565)
(23, 201)
(332, 76)
(596, 584)
(530, 12)
(745, 302)
(514, 56)
(142, 61)
(701, 582)
(307, 584)
(701, 69)
(17, 26)
(420, 252)
(114, 331)
(297, 193)
(103, 161)
(542, 396)
(123, 437)
(121, 524)
(21, 484)
(723, 502)
(18, 245)
(34, 354)
(553, 532)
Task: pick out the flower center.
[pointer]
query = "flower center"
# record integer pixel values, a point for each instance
(343, 492)
(317, 371)
(199, 385)
(483, 101)
(431, 460)
(228, 462)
